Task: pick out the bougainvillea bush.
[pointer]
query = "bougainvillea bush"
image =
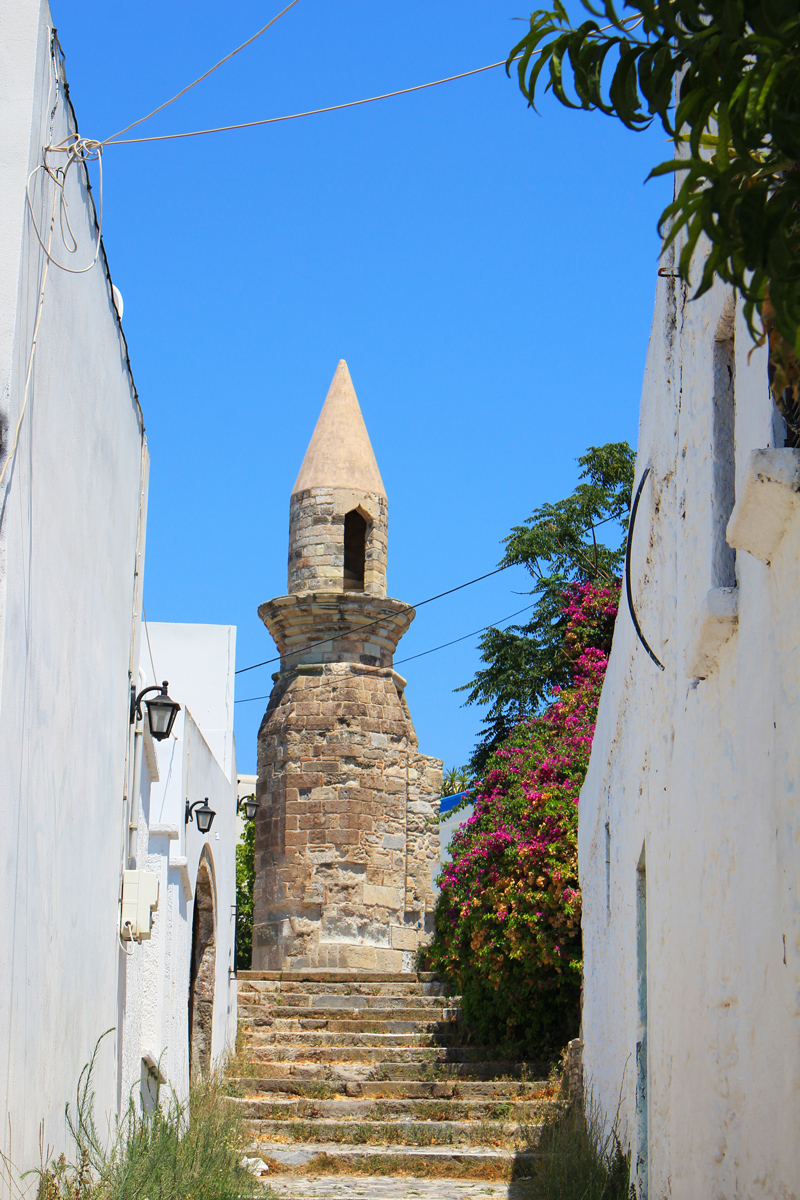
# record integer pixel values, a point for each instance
(509, 914)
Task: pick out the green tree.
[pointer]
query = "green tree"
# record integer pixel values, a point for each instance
(723, 78)
(560, 543)
(245, 886)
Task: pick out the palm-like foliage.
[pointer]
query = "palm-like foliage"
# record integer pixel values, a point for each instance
(456, 780)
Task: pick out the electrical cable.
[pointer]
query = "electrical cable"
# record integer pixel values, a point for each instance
(444, 645)
(149, 647)
(369, 624)
(200, 79)
(418, 87)
(116, 139)
(81, 150)
(29, 373)
(438, 596)
(628, 588)
(127, 953)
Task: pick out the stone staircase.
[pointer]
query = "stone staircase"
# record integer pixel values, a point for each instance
(361, 1073)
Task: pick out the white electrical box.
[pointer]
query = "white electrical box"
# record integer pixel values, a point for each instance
(139, 902)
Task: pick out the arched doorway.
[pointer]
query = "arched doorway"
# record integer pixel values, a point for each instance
(203, 971)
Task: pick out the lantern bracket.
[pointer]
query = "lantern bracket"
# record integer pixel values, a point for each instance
(136, 701)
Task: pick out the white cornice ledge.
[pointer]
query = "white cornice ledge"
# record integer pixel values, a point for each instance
(767, 502)
(718, 620)
(168, 831)
(182, 865)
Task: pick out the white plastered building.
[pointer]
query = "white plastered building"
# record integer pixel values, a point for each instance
(689, 833)
(83, 797)
(178, 998)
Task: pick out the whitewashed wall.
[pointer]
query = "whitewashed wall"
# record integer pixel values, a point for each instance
(72, 524)
(71, 539)
(694, 775)
(198, 760)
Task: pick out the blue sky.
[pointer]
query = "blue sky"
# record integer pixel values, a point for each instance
(487, 273)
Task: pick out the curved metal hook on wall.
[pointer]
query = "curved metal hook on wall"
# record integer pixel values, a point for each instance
(632, 610)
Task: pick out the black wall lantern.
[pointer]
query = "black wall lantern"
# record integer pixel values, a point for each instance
(250, 806)
(205, 815)
(161, 711)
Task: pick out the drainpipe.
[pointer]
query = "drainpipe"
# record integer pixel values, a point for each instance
(138, 746)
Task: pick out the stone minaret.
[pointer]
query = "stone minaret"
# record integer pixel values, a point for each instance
(347, 838)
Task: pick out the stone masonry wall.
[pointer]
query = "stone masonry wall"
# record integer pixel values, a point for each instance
(316, 539)
(347, 832)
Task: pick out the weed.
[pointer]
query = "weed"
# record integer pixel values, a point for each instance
(239, 1066)
(578, 1158)
(455, 1168)
(180, 1149)
(319, 1089)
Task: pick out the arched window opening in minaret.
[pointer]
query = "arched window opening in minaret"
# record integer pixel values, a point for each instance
(355, 551)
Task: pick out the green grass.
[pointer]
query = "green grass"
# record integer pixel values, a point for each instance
(577, 1158)
(182, 1150)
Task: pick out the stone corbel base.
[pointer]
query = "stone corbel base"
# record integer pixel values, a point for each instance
(718, 620)
(767, 502)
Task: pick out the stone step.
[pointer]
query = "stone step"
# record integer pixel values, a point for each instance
(434, 1186)
(339, 1000)
(497, 1091)
(284, 988)
(464, 1162)
(321, 1011)
(388, 1069)
(262, 1036)
(409, 1132)
(357, 1111)
(334, 975)
(351, 1024)
(347, 1072)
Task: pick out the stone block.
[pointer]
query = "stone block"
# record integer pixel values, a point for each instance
(361, 958)
(404, 937)
(383, 896)
(389, 960)
(298, 839)
(769, 499)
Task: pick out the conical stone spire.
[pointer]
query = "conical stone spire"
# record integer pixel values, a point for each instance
(340, 454)
(338, 513)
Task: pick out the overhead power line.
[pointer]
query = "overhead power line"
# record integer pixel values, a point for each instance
(116, 139)
(369, 624)
(443, 646)
(199, 79)
(417, 87)
(463, 638)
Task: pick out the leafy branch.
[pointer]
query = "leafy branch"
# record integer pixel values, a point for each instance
(723, 78)
(559, 546)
